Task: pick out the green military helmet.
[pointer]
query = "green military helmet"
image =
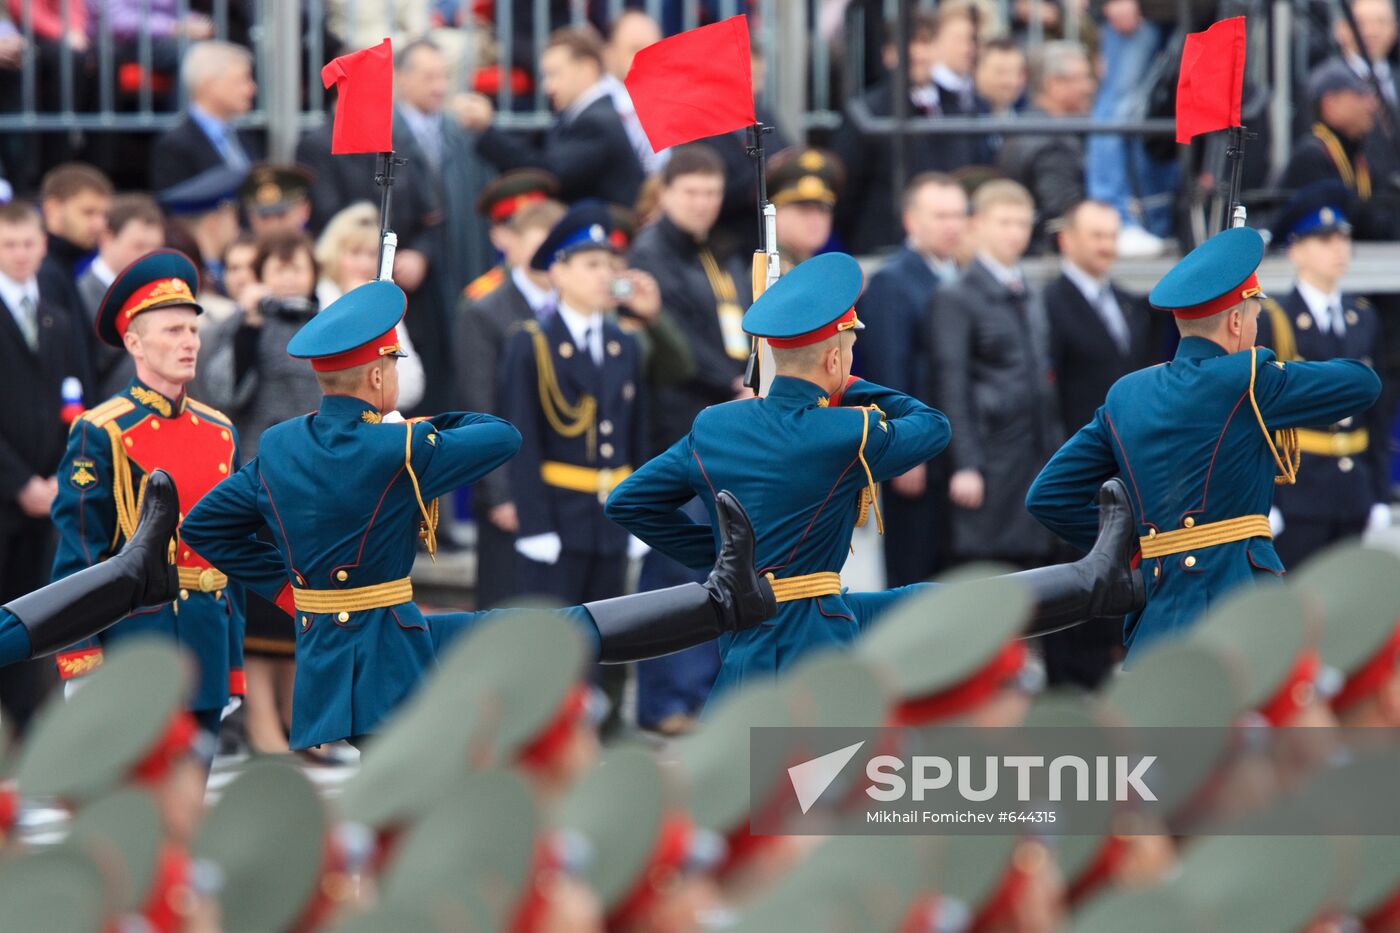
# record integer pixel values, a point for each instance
(495, 690)
(1082, 834)
(58, 890)
(715, 759)
(848, 884)
(1264, 883)
(123, 832)
(1266, 631)
(837, 689)
(1143, 910)
(1357, 591)
(935, 641)
(411, 918)
(268, 837)
(478, 842)
(1183, 684)
(80, 748)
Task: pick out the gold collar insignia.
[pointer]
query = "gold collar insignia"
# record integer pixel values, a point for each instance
(152, 400)
(371, 417)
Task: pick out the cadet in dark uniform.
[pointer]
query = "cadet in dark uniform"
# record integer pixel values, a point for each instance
(1345, 108)
(347, 496)
(276, 197)
(572, 385)
(150, 311)
(802, 186)
(1344, 473)
(1194, 441)
(492, 307)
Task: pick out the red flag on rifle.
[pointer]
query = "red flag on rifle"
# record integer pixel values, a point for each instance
(1211, 83)
(694, 84)
(364, 115)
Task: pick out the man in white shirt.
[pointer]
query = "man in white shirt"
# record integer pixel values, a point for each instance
(134, 228)
(632, 31)
(1343, 486)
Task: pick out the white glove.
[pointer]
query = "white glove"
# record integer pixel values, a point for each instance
(1379, 518)
(543, 548)
(71, 687)
(637, 548)
(1275, 521)
(230, 707)
(393, 417)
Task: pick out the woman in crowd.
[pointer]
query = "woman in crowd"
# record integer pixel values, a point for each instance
(348, 254)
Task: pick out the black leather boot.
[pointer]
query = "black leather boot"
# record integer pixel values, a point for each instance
(140, 574)
(735, 597)
(1101, 584)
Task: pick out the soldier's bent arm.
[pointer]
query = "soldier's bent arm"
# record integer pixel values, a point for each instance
(84, 511)
(648, 504)
(903, 434)
(222, 527)
(1063, 497)
(464, 447)
(1296, 395)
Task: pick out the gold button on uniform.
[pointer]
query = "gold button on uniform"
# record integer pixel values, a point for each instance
(223, 435)
(1346, 464)
(605, 427)
(344, 616)
(206, 580)
(223, 468)
(341, 575)
(606, 450)
(155, 425)
(1189, 561)
(1156, 571)
(194, 419)
(1189, 522)
(305, 621)
(184, 594)
(1151, 532)
(566, 350)
(127, 441)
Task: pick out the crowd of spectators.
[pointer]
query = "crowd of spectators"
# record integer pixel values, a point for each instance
(950, 315)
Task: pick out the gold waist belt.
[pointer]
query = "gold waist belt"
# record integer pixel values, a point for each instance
(583, 479)
(1161, 544)
(355, 599)
(805, 586)
(204, 579)
(1327, 444)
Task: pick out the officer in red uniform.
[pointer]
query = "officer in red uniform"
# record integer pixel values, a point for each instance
(150, 311)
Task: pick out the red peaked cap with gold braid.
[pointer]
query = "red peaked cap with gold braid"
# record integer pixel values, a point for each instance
(165, 278)
(358, 327)
(814, 301)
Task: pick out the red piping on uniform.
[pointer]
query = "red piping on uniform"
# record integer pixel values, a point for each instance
(1205, 493)
(1128, 466)
(372, 516)
(696, 454)
(280, 527)
(808, 530)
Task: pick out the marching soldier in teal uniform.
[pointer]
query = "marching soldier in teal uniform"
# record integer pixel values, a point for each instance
(1200, 441)
(150, 311)
(77, 607)
(806, 460)
(348, 493)
(1344, 475)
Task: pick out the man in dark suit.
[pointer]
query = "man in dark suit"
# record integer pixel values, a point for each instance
(1098, 333)
(74, 199)
(587, 148)
(1343, 480)
(218, 80)
(867, 214)
(483, 326)
(992, 372)
(894, 351)
(41, 355)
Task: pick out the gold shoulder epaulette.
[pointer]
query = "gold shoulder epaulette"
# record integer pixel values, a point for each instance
(485, 284)
(208, 411)
(1285, 341)
(109, 410)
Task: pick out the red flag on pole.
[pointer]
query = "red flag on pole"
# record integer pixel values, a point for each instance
(1211, 83)
(694, 84)
(364, 116)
